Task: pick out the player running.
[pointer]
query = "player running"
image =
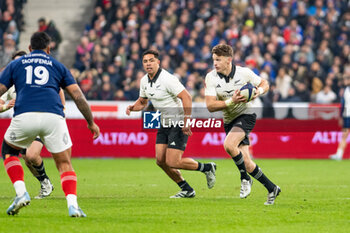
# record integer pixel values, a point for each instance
(170, 96)
(222, 94)
(38, 111)
(344, 119)
(31, 155)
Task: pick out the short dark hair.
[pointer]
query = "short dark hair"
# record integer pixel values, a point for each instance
(42, 19)
(151, 51)
(40, 40)
(223, 50)
(18, 54)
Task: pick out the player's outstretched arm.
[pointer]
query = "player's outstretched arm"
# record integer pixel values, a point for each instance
(140, 104)
(83, 106)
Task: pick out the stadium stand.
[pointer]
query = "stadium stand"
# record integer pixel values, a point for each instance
(302, 48)
(11, 22)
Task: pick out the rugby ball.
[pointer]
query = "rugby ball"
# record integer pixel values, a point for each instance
(248, 91)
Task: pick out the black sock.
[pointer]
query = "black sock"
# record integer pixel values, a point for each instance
(204, 167)
(185, 186)
(259, 175)
(239, 161)
(41, 171)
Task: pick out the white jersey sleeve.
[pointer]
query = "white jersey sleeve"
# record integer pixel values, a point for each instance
(174, 86)
(252, 77)
(142, 89)
(209, 86)
(4, 97)
(9, 95)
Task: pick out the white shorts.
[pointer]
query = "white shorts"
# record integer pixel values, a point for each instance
(51, 128)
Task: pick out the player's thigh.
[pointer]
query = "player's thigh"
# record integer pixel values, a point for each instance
(346, 123)
(177, 139)
(63, 160)
(346, 127)
(234, 137)
(161, 145)
(23, 130)
(34, 150)
(161, 153)
(55, 134)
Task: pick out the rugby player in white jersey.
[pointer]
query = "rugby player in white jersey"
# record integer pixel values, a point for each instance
(222, 93)
(31, 155)
(169, 96)
(38, 111)
(344, 119)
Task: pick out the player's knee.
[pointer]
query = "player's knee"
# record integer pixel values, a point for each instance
(160, 163)
(32, 155)
(7, 150)
(231, 148)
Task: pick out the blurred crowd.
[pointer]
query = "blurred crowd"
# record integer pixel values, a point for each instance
(11, 22)
(301, 47)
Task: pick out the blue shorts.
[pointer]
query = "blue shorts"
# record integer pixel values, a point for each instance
(346, 122)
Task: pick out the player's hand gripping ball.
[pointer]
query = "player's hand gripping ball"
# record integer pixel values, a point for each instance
(248, 91)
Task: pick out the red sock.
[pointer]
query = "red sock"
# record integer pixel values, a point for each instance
(14, 169)
(69, 182)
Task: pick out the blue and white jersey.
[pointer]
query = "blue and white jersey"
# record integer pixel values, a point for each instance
(37, 78)
(345, 102)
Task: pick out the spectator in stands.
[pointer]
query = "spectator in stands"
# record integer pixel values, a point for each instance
(8, 48)
(291, 96)
(13, 31)
(42, 25)
(56, 38)
(326, 96)
(283, 83)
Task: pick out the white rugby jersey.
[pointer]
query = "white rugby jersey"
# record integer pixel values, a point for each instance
(162, 91)
(223, 88)
(346, 101)
(9, 94)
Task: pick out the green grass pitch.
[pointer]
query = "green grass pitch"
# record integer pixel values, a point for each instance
(132, 195)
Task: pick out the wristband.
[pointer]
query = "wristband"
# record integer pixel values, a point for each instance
(4, 108)
(228, 102)
(261, 90)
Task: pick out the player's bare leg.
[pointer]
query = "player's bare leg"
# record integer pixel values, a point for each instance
(174, 174)
(249, 163)
(174, 159)
(35, 164)
(231, 145)
(15, 172)
(341, 146)
(68, 181)
(255, 171)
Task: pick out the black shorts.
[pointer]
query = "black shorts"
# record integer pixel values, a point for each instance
(245, 122)
(24, 151)
(172, 136)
